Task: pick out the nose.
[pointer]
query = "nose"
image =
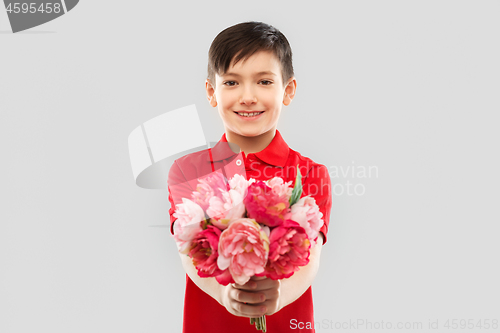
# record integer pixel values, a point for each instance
(248, 97)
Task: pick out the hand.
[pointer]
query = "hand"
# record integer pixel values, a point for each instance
(258, 297)
(271, 290)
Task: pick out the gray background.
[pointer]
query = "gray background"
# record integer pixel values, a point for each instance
(410, 87)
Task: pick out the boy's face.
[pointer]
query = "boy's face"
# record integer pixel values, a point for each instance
(253, 85)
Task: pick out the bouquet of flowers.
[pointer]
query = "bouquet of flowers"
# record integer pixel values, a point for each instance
(237, 228)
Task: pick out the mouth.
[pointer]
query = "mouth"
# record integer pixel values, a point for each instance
(249, 115)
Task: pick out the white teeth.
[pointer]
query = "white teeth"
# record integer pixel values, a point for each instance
(249, 114)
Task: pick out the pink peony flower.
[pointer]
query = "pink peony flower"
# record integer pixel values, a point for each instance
(265, 206)
(280, 188)
(226, 209)
(225, 278)
(306, 212)
(289, 249)
(204, 252)
(243, 249)
(187, 226)
(212, 185)
(240, 184)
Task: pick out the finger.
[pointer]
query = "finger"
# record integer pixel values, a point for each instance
(248, 310)
(245, 296)
(250, 285)
(267, 284)
(271, 294)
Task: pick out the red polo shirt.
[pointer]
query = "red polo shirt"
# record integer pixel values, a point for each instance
(201, 312)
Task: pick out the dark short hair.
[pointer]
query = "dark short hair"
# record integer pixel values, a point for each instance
(241, 41)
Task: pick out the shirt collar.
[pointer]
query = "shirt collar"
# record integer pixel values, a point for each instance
(276, 153)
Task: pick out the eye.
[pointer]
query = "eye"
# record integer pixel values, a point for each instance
(229, 83)
(266, 82)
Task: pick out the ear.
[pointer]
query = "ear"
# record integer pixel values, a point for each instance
(210, 93)
(290, 91)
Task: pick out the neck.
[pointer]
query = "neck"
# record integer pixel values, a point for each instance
(251, 144)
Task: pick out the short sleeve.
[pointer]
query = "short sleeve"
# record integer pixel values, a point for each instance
(317, 184)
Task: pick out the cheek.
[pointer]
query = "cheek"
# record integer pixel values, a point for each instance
(227, 98)
(274, 97)
(267, 99)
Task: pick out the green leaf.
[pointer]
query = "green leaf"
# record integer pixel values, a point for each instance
(297, 188)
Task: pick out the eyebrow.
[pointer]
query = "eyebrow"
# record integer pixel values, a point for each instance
(256, 74)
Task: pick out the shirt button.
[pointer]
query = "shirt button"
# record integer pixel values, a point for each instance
(238, 162)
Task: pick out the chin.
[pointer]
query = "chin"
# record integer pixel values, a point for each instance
(244, 132)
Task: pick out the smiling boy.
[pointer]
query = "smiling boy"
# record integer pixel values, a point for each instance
(250, 77)
(254, 85)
